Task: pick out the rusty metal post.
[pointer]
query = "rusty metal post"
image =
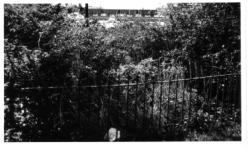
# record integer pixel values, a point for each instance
(87, 14)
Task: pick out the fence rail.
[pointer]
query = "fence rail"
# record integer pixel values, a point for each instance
(126, 84)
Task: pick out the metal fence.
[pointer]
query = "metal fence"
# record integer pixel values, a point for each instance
(151, 109)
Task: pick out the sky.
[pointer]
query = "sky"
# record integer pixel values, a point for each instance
(117, 4)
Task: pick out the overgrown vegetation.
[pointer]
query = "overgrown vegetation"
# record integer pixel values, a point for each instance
(43, 47)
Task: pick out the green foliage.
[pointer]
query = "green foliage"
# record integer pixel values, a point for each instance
(209, 33)
(45, 47)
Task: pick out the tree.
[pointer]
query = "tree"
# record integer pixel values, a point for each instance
(208, 32)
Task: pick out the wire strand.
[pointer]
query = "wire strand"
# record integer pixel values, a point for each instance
(130, 84)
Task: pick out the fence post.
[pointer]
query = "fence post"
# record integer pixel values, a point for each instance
(229, 93)
(86, 14)
(153, 85)
(217, 94)
(61, 114)
(136, 99)
(235, 94)
(127, 103)
(78, 109)
(159, 68)
(182, 110)
(100, 102)
(223, 95)
(210, 95)
(190, 76)
(144, 109)
(168, 100)
(119, 96)
(175, 105)
(109, 102)
(160, 99)
(11, 123)
(190, 90)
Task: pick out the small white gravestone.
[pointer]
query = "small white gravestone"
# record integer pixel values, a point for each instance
(112, 135)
